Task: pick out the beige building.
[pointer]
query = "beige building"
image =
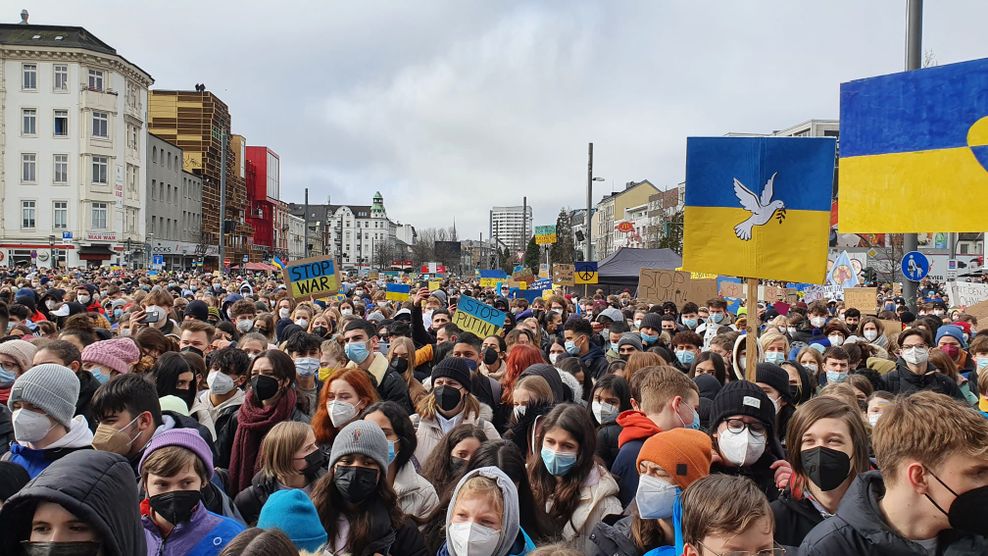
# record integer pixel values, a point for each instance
(613, 209)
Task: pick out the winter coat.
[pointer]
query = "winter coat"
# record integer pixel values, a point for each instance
(430, 434)
(904, 381)
(607, 442)
(859, 529)
(205, 534)
(34, 461)
(598, 499)
(226, 432)
(612, 540)
(224, 418)
(794, 519)
(200, 413)
(636, 428)
(416, 496)
(406, 540)
(390, 385)
(87, 387)
(595, 363)
(251, 499)
(97, 487)
(6, 429)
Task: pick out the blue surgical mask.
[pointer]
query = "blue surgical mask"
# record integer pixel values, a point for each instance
(391, 451)
(356, 352)
(306, 366)
(716, 318)
(558, 463)
(695, 423)
(100, 376)
(649, 339)
(614, 346)
(6, 377)
(691, 323)
(775, 357)
(833, 377)
(571, 348)
(685, 356)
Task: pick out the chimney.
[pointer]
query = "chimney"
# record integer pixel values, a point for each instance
(24, 16)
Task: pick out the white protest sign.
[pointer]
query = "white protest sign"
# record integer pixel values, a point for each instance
(966, 293)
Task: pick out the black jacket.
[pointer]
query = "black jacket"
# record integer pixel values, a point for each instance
(612, 540)
(607, 442)
(251, 499)
(758, 472)
(87, 387)
(595, 363)
(904, 381)
(6, 429)
(793, 520)
(858, 528)
(393, 388)
(97, 487)
(225, 425)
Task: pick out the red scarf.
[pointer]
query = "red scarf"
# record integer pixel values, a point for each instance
(253, 422)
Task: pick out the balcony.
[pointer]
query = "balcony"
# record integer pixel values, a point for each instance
(104, 101)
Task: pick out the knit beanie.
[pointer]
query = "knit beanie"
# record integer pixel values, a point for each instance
(361, 437)
(742, 398)
(198, 310)
(51, 388)
(118, 354)
(13, 477)
(954, 332)
(22, 352)
(174, 404)
(651, 320)
(682, 453)
(183, 438)
(455, 368)
(293, 513)
(631, 339)
(776, 377)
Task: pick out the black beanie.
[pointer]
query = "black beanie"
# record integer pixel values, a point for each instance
(652, 320)
(742, 398)
(776, 377)
(455, 368)
(198, 310)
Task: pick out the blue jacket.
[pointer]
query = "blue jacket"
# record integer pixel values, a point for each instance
(625, 470)
(36, 461)
(205, 534)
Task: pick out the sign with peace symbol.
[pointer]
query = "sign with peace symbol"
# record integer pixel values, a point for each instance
(586, 272)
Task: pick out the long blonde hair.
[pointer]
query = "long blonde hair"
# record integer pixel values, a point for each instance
(277, 456)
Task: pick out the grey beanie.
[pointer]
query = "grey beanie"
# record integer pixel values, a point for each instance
(361, 437)
(631, 339)
(51, 388)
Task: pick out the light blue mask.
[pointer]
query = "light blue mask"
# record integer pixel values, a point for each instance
(685, 356)
(775, 357)
(391, 451)
(691, 323)
(695, 423)
(307, 366)
(649, 339)
(6, 377)
(571, 348)
(833, 377)
(356, 352)
(716, 317)
(614, 346)
(558, 463)
(99, 375)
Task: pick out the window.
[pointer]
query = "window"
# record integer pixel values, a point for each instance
(61, 123)
(60, 82)
(27, 214)
(101, 125)
(29, 121)
(132, 137)
(61, 173)
(61, 220)
(99, 216)
(100, 169)
(96, 80)
(29, 167)
(30, 78)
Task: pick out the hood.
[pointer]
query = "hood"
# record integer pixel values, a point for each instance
(509, 522)
(574, 385)
(736, 363)
(79, 435)
(635, 426)
(552, 376)
(96, 486)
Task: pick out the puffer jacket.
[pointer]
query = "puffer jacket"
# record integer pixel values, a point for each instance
(598, 499)
(416, 496)
(904, 381)
(205, 534)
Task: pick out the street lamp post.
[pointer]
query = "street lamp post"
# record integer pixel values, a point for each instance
(51, 250)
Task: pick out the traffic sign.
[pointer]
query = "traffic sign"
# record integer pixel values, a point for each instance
(159, 260)
(66, 235)
(915, 266)
(245, 258)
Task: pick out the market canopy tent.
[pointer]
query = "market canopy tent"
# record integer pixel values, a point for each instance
(621, 269)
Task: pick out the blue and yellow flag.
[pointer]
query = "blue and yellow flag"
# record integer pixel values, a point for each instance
(397, 292)
(758, 207)
(914, 151)
(276, 261)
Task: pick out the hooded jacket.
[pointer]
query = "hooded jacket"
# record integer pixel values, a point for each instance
(416, 496)
(636, 428)
(794, 519)
(97, 487)
(904, 381)
(513, 539)
(87, 387)
(34, 461)
(430, 434)
(224, 423)
(205, 533)
(858, 528)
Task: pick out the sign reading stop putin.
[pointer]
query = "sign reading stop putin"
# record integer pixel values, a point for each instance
(311, 278)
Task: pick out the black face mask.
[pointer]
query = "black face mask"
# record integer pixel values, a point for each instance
(625, 356)
(355, 483)
(320, 331)
(826, 467)
(194, 350)
(796, 392)
(458, 464)
(967, 511)
(176, 506)
(399, 364)
(264, 387)
(314, 463)
(490, 356)
(447, 397)
(60, 548)
(188, 396)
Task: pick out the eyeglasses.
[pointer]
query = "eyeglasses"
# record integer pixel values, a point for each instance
(776, 551)
(738, 426)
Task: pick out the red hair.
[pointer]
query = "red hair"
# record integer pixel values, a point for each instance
(360, 381)
(521, 357)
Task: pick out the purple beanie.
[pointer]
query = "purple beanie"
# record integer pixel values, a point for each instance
(183, 438)
(118, 354)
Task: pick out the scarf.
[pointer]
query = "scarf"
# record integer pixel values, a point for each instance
(254, 421)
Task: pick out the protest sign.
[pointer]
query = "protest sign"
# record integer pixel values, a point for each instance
(585, 272)
(826, 293)
(979, 311)
(892, 327)
(659, 285)
(863, 299)
(545, 235)
(312, 277)
(374, 275)
(562, 274)
(435, 285)
(728, 286)
(397, 292)
(523, 275)
(966, 294)
(481, 319)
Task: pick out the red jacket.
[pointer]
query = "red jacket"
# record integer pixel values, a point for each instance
(635, 426)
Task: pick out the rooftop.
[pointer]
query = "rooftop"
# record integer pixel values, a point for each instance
(55, 36)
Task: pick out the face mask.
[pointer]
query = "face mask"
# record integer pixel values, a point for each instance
(519, 411)
(356, 352)
(655, 498)
(558, 463)
(792, 331)
(834, 377)
(458, 464)
(916, 356)
(938, 313)
(304, 323)
(553, 357)
(314, 462)
(604, 412)
(6, 377)
(447, 397)
(966, 512)
(472, 539)
(283, 313)
(685, 356)
(51, 303)
(306, 366)
(571, 347)
(471, 364)
(649, 339)
(193, 349)
(982, 363)
(320, 331)
(176, 506)
(950, 350)
(870, 335)
(614, 346)
(117, 313)
(30, 426)
(716, 318)
(490, 356)
(244, 325)
(391, 451)
(340, 413)
(220, 383)
(818, 322)
(835, 339)
(264, 387)
(775, 357)
(873, 419)
(638, 323)
(355, 483)
(741, 449)
(691, 323)
(99, 374)
(826, 467)
(812, 367)
(347, 312)
(84, 299)
(694, 423)
(60, 548)
(108, 438)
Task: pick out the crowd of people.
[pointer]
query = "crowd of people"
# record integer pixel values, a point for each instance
(204, 414)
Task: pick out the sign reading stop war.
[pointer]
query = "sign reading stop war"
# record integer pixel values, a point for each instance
(313, 277)
(481, 319)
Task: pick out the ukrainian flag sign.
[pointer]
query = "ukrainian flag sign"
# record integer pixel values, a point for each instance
(758, 207)
(914, 151)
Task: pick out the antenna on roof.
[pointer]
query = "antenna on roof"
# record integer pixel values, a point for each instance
(24, 16)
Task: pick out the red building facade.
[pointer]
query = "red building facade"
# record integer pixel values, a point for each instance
(263, 192)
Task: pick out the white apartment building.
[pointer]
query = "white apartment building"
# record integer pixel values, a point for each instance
(512, 227)
(73, 121)
(295, 236)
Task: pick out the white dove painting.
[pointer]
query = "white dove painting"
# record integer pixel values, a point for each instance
(761, 208)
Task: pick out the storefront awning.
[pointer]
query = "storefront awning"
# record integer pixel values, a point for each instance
(99, 252)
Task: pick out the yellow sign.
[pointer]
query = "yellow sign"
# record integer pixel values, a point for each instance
(312, 277)
(435, 285)
(489, 282)
(585, 272)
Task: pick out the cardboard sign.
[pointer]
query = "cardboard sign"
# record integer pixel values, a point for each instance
(863, 299)
(979, 311)
(374, 275)
(523, 275)
(892, 327)
(312, 277)
(481, 319)
(489, 282)
(774, 293)
(562, 274)
(730, 287)
(657, 286)
(966, 294)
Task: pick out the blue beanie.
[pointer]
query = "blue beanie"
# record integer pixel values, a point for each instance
(294, 513)
(954, 332)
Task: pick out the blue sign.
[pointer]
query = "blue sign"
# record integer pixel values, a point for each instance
(66, 235)
(158, 260)
(915, 266)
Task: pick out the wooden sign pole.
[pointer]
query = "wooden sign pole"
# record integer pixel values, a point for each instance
(751, 347)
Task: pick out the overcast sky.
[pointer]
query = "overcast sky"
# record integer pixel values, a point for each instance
(451, 107)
